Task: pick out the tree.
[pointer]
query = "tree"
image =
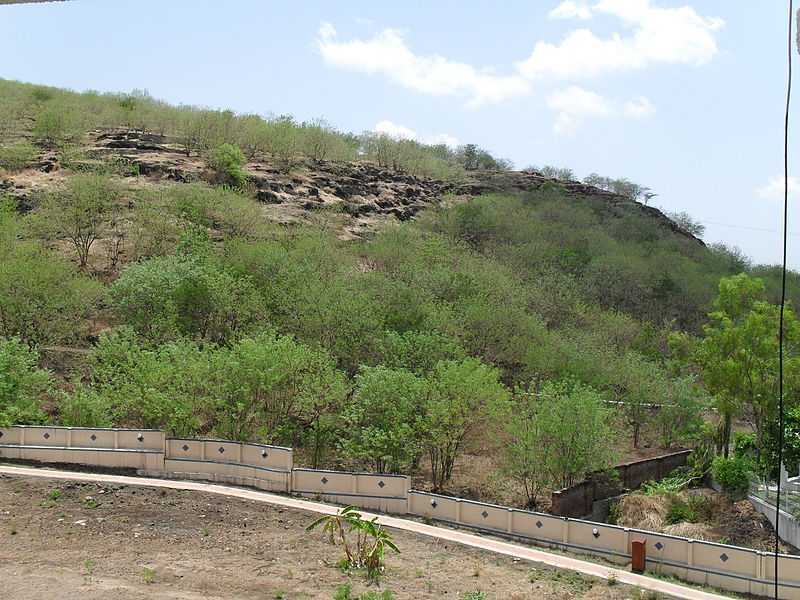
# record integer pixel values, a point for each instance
(382, 420)
(80, 211)
(739, 356)
(228, 161)
(23, 384)
(557, 435)
(462, 394)
(685, 221)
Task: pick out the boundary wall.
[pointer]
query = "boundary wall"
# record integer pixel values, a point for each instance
(266, 467)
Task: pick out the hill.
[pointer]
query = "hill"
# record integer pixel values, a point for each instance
(377, 303)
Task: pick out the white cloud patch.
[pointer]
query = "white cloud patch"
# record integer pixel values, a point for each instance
(657, 36)
(387, 54)
(393, 130)
(639, 108)
(773, 189)
(571, 10)
(574, 105)
(401, 132)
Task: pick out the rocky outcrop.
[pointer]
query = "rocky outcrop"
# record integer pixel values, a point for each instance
(363, 194)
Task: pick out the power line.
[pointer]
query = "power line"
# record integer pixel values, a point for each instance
(783, 294)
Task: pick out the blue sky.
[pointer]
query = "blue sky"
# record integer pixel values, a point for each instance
(684, 96)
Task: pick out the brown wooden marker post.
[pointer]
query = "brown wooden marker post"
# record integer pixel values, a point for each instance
(638, 555)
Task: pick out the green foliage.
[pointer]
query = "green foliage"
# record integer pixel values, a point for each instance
(80, 213)
(475, 595)
(345, 592)
(368, 550)
(42, 297)
(185, 295)
(733, 474)
(462, 394)
(15, 157)
(739, 356)
(23, 385)
(228, 161)
(382, 419)
(557, 435)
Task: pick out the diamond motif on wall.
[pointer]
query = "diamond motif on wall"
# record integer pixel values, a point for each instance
(324, 480)
(381, 484)
(433, 504)
(221, 450)
(1, 434)
(659, 546)
(484, 514)
(539, 524)
(185, 448)
(140, 437)
(723, 557)
(93, 437)
(46, 436)
(264, 453)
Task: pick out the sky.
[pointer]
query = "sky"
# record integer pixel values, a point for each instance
(683, 96)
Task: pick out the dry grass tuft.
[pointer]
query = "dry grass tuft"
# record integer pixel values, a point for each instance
(644, 512)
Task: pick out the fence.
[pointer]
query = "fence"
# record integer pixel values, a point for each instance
(271, 467)
(763, 496)
(578, 500)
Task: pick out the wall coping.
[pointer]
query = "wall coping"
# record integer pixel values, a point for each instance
(221, 441)
(81, 428)
(382, 475)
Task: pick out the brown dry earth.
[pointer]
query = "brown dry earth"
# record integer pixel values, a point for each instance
(97, 541)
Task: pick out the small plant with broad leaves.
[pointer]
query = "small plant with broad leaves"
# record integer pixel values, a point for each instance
(364, 541)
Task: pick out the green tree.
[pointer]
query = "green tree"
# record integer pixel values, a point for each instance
(739, 356)
(382, 420)
(463, 394)
(228, 161)
(23, 385)
(80, 212)
(558, 435)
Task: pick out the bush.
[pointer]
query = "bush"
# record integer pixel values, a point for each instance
(733, 474)
(15, 157)
(227, 161)
(22, 384)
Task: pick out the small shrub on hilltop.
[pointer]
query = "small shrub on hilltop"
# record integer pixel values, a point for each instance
(228, 161)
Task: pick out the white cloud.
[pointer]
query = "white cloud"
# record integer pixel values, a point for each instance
(387, 54)
(571, 10)
(401, 132)
(441, 138)
(573, 105)
(638, 108)
(659, 35)
(393, 130)
(773, 189)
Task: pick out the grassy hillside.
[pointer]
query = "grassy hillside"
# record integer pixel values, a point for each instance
(182, 306)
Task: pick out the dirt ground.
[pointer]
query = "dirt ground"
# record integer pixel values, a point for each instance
(92, 541)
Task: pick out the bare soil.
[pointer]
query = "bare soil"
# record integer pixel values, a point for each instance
(92, 541)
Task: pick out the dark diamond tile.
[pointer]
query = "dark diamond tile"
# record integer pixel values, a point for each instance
(539, 524)
(221, 450)
(659, 546)
(46, 436)
(723, 557)
(324, 480)
(381, 484)
(1, 434)
(484, 514)
(434, 504)
(140, 437)
(93, 437)
(185, 448)
(264, 454)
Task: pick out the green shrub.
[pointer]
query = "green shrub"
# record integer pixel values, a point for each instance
(22, 384)
(227, 161)
(733, 474)
(680, 512)
(15, 157)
